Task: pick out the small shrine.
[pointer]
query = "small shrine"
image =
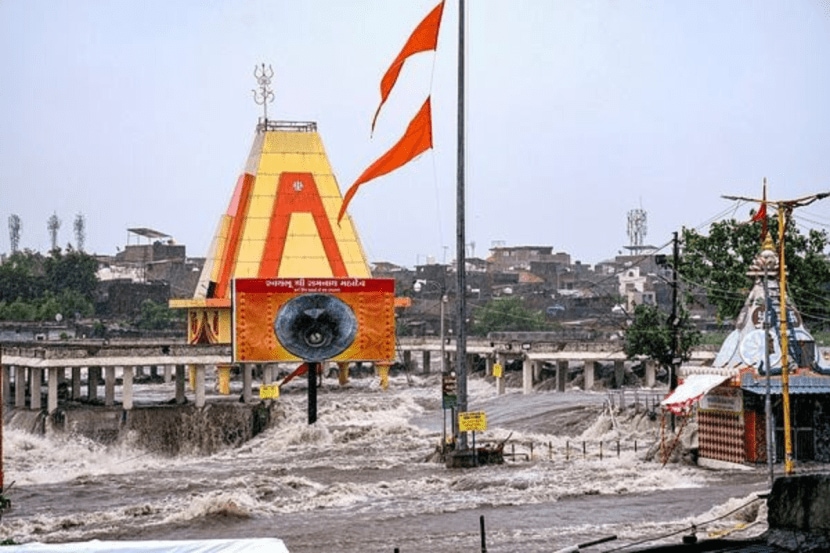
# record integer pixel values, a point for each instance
(730, 395)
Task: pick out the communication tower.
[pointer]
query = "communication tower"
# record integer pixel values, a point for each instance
(637, 226)
(637, 230)
(53, 225)
(14, 231)
(80, 231)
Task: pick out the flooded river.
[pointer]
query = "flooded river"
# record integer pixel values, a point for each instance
(359, 480)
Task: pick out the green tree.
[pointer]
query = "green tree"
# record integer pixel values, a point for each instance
(73, 270)
(21, 277)
(18, 310)
(506, 314)
(650, 334)
(717, 264)
(34, 287)
(156, 316)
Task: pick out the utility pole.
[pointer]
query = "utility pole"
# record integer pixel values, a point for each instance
(674, 322)
(768, 396)
(783, 211)
(461, 257)
(784, 208)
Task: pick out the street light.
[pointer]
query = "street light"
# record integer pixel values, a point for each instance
(448, 381)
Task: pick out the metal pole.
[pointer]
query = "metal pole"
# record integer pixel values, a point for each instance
(443, 338)
(312, 392)
(673, 322)
(768, 399)
(461, 257)
(2, 402)
(483, 534)
(785, 369)
(443, 365)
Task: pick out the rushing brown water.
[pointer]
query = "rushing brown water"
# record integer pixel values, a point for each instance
(357, 480)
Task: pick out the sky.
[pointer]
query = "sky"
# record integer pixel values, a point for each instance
(139, 113)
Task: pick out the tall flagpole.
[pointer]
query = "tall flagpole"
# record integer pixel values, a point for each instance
(461, 260)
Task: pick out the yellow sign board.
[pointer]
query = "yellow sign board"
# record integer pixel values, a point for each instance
(498, 371)
(474, 421)
(269, 391)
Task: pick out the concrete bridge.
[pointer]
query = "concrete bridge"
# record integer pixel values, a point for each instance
(59, 365)
(534, 353)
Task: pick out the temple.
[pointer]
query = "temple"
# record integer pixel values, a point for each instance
(730, 394)
(281, 222)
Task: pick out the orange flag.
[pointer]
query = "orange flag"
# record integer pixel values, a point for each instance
(761, 214)
(422, 39)
(416, 140)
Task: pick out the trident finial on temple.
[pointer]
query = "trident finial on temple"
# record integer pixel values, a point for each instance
(263, 96)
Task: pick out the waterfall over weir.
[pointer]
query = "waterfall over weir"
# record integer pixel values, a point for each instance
(163, 429)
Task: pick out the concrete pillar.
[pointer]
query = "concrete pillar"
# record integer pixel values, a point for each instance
(224, 379)
(36, 374)
(154, 372)
(426, 360)
(407, 360)
(561, 374)
(588, 375)
(7, 385)
(651, 373)
(382, 370)
(537, 371)
(92, 375)
(343, 373)
(619, 373)
(247, 382)
(20, 387)
(489, 361)
(76, 383)
(180, 377)
(200, 384)
(527, 376)
(191, 376)
(127, 388)
(52, 396)
(168, 374)
(109, 386)
(501, 359)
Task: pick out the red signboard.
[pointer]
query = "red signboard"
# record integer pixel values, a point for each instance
(257, 304)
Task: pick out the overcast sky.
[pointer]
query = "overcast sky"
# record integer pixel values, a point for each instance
(140, 114)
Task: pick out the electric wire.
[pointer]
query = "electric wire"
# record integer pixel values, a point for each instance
(692, 527)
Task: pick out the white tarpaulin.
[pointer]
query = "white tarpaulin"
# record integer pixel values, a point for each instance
(251, 545)
(692, 389)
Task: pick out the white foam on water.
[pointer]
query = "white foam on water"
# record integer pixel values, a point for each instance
(236, 503)
(36, 459)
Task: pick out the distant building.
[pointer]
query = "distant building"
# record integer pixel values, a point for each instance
(519, 258)
(158, 269)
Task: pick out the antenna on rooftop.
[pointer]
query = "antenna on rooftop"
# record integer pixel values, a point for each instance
(264, 95)
(53, 224)
(14, 231)
(637, 227)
